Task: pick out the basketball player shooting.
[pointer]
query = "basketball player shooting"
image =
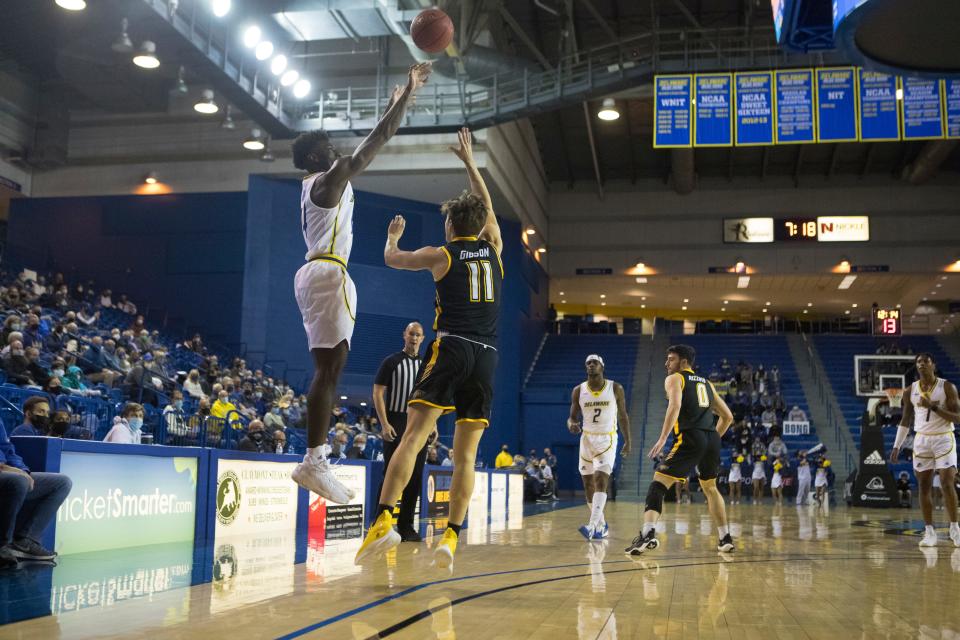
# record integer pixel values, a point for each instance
(931, 406)
(325, 292)
(597, 406)
(692, 404)
(458, 375)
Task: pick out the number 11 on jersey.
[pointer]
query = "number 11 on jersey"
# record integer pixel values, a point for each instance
(476, 284)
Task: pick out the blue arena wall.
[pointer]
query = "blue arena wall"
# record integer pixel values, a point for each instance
(179, 253)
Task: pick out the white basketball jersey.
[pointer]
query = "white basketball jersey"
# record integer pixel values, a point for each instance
(599, 408)
(326, 231)
(926, 421)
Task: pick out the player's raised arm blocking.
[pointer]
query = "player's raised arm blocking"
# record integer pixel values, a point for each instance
(464, 151)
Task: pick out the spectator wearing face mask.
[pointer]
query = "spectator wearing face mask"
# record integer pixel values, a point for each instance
(274, 419)
(15, 336)
(16, 365)
(73, 380)
(31, 333)
(54, 386)
(36, 418)
(222, 407)
(192, 385)
(359, 448)
(60, 426)
(11, 324)
(37, 373)
(57, 339)
(173, 417)
(279, 442)
(256, 439)
(128, 426)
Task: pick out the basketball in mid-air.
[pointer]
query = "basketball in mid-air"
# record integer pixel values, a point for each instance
(432, 30)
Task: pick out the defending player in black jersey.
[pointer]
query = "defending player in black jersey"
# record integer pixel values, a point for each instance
(693, 402)
(460, 362)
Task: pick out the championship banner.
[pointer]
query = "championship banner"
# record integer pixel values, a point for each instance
(921, 109)
(331, 521)
(879, 113)
(951, 106)
(438, 492)
(713, 108)
(672, 111)
(874, 486)
(837, 105)
(753, 97)
(794, 107)
(120, 501)
(254, 496)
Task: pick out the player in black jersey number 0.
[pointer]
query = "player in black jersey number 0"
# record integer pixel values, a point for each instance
(458, 373)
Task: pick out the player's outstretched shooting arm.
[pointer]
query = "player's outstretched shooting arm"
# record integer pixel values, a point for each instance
(491, 228)
(433, 259)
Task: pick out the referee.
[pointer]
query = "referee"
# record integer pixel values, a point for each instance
(391, 390)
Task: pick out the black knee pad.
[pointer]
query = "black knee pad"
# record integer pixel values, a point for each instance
(655, 496)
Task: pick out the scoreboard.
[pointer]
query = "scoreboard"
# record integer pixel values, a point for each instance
(797, 229)
(886, 322)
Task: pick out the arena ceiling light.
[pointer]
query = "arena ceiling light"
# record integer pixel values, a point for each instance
(278, 64)
(641, 265)
(146, 57)
(206, 105)
(301, 89)
(251, 36)
(530, 231)
(847, 282)
(151, 178)
(254, 142)
(608, 111)
(343, 397)
(602, 296)
(123, 44)
(220, 8)
(743, 282)
(264, 50)
(542, 250)
(72, 5)
(289, 77)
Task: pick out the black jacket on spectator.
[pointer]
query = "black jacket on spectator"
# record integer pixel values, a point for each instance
(17, 369)
(249, 444)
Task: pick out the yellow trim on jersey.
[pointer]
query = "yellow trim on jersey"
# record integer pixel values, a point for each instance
(667, 475)
(596, 394)
(336, 224)
(346, 300)
(331, 257)
(942, 455)
(467, 238)
(500, 260)
(449, 263)
(941, 433)
(676, 445)
(445, 409)
(683, 380)
(436, 317)
(599, 433)
(428, 368)
(483, 420)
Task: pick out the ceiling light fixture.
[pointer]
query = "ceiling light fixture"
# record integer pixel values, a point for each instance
(768, 303)
(764, 310)
(301, 89)
(723, 308)
(72, 5)
(683, 308)
(845, 265)
(206, 105)
(726, 302)
(220, 8)
(254, 142)
(228, 122)
(542, 250)
(562, 293)
(847, 282)
(854, 305)
(289, 77)
(603, 304)
(608, 111)
(530, 231)
(251, 36)
(805, 312)
(602, 296)
(847, 312)
(641, 280)
(739, 266)
(641, 266)
(743, 282)
(343, 397)
(809, 304)
(264, 50)
(146, 57)
(151, 178)
(686, 299)
(123, 44)
(278, 65)
(643, 306)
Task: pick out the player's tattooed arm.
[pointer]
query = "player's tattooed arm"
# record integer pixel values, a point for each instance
(904, 429)
(623, 418)
(573, 422)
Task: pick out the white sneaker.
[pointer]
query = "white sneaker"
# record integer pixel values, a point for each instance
(955, 536)
(313, 474)
(929, 539)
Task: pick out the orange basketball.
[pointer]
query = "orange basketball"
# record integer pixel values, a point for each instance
(432, 30)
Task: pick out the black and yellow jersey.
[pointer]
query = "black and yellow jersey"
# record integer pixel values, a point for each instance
(696, 402)
(468, 294)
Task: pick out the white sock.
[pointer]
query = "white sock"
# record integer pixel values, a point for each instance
(315, 453)
(931, 530)
(722, 531)
(596, 512)
(649, 528)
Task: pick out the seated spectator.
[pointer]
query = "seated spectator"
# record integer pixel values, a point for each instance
(73, 381)
(60, 426)
(295, 415)
(358, 450)
(54, 386)
(797, 414)
(14, 337)
(447, 462)
(128, 307)
(97, 364)
(127, 427)
(768, 418)
(280, 441)
(192, 385)
(432, 456)
(31, 333)
(173, 418)
(28, 504)
(256, 439)
(36, 417)
(56, 340)
(777, 448)
(106, 299)
(141, 383)
(274, 419)
(16, 365)
(338, 450)
(547, 474)
(903, 490)
(504, 459)
(87, 317)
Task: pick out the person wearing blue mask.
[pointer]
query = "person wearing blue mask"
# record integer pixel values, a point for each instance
(127, 427)
(175, 420)
(274, 419)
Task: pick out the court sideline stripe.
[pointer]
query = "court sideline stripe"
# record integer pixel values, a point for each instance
(419, 587)
(403, 624)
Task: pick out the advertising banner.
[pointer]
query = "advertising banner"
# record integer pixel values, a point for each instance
(331, 521)
(951, 106)
(120, 501)
(837, 105)
(874, 486)
(253, 496)
(438, 492)
(479, 510)
(879, 113)
(921, 109)
(753, 93)
(515, 500)
(714, 121)
(498, 501)
(794, 106)
(251, 567)
(672, 113)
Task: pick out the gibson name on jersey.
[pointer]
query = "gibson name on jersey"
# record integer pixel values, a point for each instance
(482, 252)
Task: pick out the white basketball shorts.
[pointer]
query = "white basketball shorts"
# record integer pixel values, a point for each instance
(937, 451)
(328, 301)
(598, 452)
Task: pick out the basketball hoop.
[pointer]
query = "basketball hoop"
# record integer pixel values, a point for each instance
(894, 397)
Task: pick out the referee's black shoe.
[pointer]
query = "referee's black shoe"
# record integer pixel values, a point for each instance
(643, 543)
(409, 534)
(726, 544)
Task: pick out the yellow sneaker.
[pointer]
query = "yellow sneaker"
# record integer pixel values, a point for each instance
(380, 538)
(443, 554)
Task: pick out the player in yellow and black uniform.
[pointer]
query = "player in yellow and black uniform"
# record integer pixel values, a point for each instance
(693, 406)
(458, 373)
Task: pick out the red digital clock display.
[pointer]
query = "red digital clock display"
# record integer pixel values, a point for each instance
(886, 322)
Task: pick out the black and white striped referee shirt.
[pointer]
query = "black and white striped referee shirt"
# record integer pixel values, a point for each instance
(398, 373)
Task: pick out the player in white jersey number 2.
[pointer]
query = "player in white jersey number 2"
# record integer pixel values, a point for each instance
(324, 290)
(600, 406)
(931, 407)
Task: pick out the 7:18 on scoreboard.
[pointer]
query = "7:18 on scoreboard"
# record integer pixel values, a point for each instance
(886, 322)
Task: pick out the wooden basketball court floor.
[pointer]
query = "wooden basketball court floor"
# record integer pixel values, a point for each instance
(796, 573)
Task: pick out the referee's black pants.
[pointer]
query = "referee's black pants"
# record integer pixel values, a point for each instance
(408, 499)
